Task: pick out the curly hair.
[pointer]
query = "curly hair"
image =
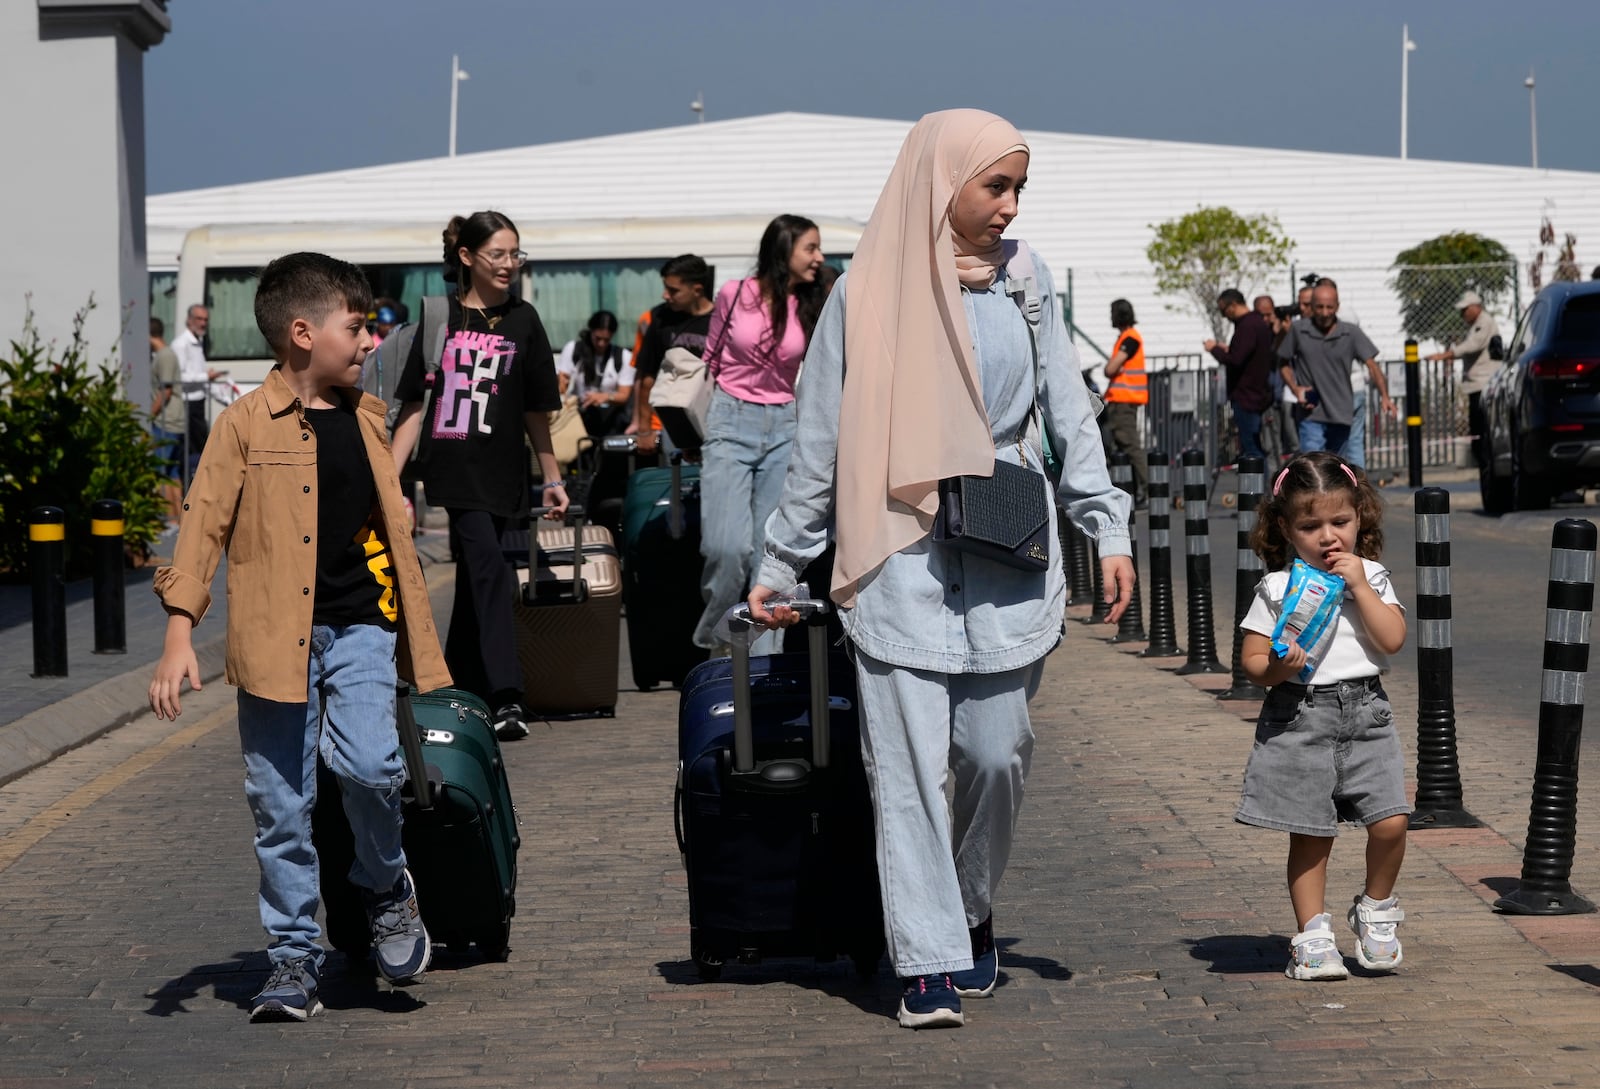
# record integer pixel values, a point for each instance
(1297, 486)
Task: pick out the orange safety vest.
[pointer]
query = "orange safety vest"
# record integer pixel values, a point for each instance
(1130, 386)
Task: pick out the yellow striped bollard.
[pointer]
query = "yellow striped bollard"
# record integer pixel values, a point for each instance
(47, 564)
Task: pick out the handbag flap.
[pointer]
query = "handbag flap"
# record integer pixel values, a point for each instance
(1005, 509)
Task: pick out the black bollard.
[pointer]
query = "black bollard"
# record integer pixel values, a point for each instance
(1553, 818)
(1197, 548)
(110, 605)
(1075, 548)
(1252, 473)
(47, 564)
(1413, 415)
(1158, 493)
(1439, 802)
(1130, 629)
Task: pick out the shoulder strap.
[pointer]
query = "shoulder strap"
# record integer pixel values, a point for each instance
(1021, 283)
(435, 327)
(1022, 286)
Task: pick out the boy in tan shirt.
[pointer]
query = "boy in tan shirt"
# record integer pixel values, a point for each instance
(327, 608)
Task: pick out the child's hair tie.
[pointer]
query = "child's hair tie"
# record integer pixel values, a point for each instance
(1278, 483)
(1349, 472)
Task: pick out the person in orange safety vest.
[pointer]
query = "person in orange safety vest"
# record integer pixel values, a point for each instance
(1128, 390)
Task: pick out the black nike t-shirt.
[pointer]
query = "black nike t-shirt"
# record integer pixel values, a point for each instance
(497, 366)
(355, 572)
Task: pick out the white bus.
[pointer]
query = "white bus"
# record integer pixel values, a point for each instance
(574, 269)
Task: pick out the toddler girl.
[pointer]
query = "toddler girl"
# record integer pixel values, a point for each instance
(1327, 749)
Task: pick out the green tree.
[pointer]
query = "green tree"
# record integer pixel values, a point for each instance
(69, 436)
(1430, 276)
(1200, 255)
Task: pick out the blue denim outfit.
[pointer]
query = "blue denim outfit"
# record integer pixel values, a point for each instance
(348, 716)
(1249, 425)
(1355, 445)
(1316, 435)
(743, 463)
(949, 646)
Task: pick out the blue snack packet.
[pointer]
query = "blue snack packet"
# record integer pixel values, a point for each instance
(1310, 615)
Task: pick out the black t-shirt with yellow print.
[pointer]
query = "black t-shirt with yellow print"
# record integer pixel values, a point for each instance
(355, 571)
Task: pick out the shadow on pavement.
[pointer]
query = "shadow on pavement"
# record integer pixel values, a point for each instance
(1241, 953)
(1583, 973)
(878, 994)
(344, 985)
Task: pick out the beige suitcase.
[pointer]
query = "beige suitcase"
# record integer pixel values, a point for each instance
(568, 615)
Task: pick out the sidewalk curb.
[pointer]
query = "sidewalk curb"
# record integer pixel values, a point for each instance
(38, 738)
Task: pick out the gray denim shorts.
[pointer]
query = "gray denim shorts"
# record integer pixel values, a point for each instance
(1324, 754)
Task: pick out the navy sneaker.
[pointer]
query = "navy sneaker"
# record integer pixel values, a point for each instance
(979, 980)
(399, 940)
(509, 725)
(929, 1002)
(290, 993)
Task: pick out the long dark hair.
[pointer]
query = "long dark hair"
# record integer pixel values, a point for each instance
(1306, 476)
(584, 348)
(472, 232)
(772, 276)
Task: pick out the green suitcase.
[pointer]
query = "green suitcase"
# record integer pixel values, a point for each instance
(461, 841)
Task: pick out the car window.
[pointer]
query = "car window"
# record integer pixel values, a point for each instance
(1519, 340)
(1580, 323)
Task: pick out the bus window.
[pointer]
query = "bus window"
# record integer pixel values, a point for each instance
(164, 300)
(567, 292)
(231, 298)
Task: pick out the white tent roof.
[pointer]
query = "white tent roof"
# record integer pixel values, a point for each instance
(1089, 207)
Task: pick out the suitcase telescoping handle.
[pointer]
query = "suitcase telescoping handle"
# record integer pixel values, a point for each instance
(575, 513)
(740, 627)
(405, 724)
(675, 497)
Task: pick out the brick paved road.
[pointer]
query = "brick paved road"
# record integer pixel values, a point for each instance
(1143, 933)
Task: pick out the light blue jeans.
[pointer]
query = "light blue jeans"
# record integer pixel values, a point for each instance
(938, 874)
(743, 464)
(1355, 447)
(1316, 435)
(349, 717)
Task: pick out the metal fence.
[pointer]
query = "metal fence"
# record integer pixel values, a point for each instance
(1188, 410)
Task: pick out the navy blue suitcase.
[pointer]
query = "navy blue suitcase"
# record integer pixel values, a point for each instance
(774, 819)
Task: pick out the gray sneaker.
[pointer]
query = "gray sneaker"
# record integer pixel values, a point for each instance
(399, 940)
(290, 993)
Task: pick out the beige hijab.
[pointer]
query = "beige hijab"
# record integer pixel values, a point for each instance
(912, 412)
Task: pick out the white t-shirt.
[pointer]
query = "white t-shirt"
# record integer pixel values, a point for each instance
(1351, 655)
(611, 379)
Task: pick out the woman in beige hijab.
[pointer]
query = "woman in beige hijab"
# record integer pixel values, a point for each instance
(925, 365)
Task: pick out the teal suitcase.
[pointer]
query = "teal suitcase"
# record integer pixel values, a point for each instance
(461, 841)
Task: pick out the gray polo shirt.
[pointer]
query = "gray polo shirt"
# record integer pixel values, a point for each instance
(1323, 361)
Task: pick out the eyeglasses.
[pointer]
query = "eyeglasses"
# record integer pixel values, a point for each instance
(502, 257)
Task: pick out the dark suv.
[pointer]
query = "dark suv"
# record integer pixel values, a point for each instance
(1543, 407)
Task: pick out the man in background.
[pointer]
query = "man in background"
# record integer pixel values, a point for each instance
(1247, 366)
(1476, 366)
(169, 416)
(189, 347)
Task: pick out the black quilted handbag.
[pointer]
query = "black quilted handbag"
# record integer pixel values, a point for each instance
(1003, 517)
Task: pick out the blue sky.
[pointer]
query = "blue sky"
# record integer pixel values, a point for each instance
(243, 90)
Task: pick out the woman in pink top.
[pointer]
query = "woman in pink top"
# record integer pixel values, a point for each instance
(760, 328)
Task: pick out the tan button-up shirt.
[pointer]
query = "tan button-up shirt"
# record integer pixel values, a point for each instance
(255, 497)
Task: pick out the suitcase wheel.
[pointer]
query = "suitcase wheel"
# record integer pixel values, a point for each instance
(866, 961)
(708, 965)
(496, 946)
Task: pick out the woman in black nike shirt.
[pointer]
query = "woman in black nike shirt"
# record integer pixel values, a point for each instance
(469, 410)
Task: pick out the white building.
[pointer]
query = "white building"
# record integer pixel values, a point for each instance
(73, 84)
(1088, 211)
